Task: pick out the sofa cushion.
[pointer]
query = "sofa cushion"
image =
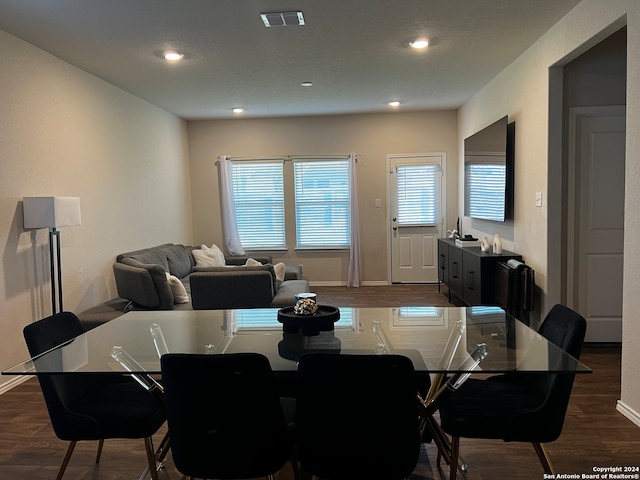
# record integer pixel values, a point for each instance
(292, 272)
(159, 278)
(151, 256)
(178, 259)
(135, 284)
(279, 269)
(286, 295)
(239, 268)
(242, 268)
(208, 256)
(242, 260)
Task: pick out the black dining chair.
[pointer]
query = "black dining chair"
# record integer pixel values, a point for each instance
(357, 416)
(225, 416)
(518, 407)
(90, 406)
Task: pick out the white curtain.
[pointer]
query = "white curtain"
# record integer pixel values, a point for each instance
(353, 276)
(229, 224)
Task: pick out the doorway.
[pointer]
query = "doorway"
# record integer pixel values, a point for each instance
(416, 218)
(595, 208)
(586, 186)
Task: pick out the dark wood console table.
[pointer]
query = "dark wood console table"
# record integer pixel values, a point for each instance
(468, 272)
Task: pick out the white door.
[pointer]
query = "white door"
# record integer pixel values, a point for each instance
(596, 227)
(416, 192)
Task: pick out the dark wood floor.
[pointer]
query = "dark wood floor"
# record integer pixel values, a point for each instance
(595, 434)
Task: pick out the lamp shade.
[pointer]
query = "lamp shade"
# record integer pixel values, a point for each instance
(51, 212)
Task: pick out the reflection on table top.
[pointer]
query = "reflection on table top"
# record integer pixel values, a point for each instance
(421, 333)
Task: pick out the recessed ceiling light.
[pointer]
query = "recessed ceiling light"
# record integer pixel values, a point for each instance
(173, 56)
(394, 104)
(237, 110)
(307, 84)
(420, 43)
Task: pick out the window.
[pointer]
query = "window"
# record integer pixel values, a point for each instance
(321, 199)
(258, 193)
(322, 202)
(417, 194)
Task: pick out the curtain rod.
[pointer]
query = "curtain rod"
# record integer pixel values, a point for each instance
(291, 157)
(240, 159)
(319, 157)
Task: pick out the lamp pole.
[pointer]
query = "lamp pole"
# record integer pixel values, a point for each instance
(56, 270)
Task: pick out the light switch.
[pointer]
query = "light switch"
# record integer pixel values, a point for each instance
(378, 203)
(538, 199)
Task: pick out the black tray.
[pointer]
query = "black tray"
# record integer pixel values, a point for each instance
(308, 325)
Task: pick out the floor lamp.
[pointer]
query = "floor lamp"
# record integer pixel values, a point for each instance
(52, 213)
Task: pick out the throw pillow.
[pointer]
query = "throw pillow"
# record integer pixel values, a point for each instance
(252, 262)
(279, 270)
(178, 290)
(208, 256)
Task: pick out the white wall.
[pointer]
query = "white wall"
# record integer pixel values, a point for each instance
(371, 137)
(522, 91)
(65, 132)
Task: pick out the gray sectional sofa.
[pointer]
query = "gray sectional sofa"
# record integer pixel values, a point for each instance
(143, 283)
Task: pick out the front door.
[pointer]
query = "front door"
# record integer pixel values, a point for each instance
(596, 216)
(416, 218)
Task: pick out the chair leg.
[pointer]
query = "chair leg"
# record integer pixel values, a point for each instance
(453, 464)
(65, 460)
(163, 449)
(99, 452)
(148, 443)
(294, 468)
(544, 458)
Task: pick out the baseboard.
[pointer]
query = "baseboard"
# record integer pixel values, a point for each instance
(14, 382)
(628, 412)
(371, 283)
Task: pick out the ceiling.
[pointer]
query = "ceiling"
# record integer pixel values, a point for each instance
(355, 52)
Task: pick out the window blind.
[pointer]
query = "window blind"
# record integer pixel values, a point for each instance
(322, 203)
(417, 194)
(258, 192)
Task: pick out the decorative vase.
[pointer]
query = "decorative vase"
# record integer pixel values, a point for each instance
(497, 244)
(485, 245)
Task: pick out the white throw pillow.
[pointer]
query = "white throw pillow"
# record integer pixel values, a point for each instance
(178, 290)
(252, 262)
(279, 270)
(208, 256)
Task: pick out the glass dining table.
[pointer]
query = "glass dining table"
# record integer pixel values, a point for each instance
(444, 343)
(437, 340)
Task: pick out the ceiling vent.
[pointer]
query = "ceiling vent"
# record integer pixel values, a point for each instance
(282, 19)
